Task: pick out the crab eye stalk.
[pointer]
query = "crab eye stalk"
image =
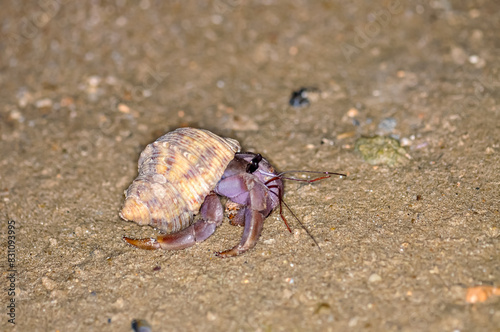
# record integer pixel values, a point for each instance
(254, 163)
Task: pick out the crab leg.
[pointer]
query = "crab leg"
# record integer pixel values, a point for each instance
(254, 220)
(211, 217)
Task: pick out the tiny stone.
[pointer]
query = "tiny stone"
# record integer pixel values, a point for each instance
(48, 283)
(16, 115)
(78, 231)
(473, 59)
(405, 141)
(94, 81)
(381, 150)
(23, 97)
(346, 135)
(388, 124)
(269, 241)
(296, 234)
(43, 103)
(119, 303)
(123, 108)
(141, 325)
(211, 316)
(374, 278)
(327, 141)
(352, 112)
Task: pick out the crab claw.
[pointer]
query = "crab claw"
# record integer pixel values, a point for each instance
(212, 215)
(148, 244)
(186, 238)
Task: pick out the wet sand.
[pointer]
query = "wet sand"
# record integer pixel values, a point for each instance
(85, 87)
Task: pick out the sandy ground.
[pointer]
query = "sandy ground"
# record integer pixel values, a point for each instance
(86, 86)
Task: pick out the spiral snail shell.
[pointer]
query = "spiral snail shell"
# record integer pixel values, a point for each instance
(176, 173)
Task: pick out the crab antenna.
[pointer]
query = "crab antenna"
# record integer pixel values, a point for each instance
(301, 224)
(293, 214)
(280, 176)
(313, 172)
(305, 180)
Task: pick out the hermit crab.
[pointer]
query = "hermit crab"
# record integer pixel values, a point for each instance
(180, 176)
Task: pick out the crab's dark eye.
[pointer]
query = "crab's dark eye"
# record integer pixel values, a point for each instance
(254, 164)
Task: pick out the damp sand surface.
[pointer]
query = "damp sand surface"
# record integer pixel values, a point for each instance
(86, 86)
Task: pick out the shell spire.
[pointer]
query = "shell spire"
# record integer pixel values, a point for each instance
(134, 210)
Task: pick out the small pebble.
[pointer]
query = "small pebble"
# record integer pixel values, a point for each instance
(23, 97)
(374, 278)
(94, 81)
(353, 321)
(477, 61)
(269, 241)
(16, 115)
(43, 103)
(211, 316)
(140, 325)
(119, 303)
(405, 141)
(296, 234)
(346, 135)
(352, 112)
(299, 98)
(123, 108)
(327, 141)
(473, 59)
(387, 125)
(380, 150)
(48, 283)
(481, 293)
(304, 96)
(322, 308)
